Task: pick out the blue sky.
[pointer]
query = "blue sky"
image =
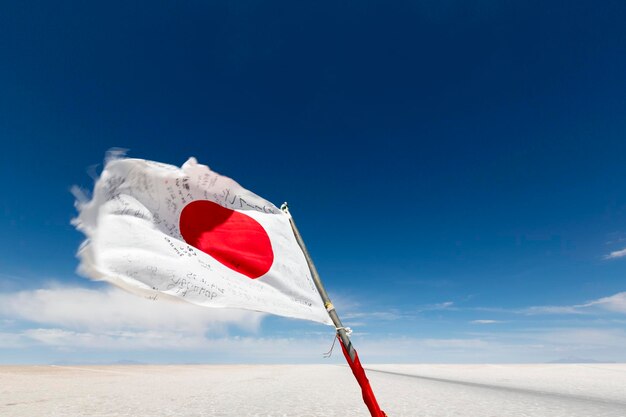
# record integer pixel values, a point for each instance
(457, 171)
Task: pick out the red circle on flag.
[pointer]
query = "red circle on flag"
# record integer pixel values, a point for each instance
(233, 238)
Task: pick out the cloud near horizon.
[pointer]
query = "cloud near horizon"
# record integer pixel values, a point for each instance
(114, 324)
(112, 309)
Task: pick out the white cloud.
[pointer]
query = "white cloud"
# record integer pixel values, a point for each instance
(111, 323)
(446, 305)
(359, 318)
(537, 310)
(82, 321)
(375, 315)
(616, 254)
(539, 345)
(615, 303)
(177, 347)
(112, 309)
(113, 340)
(583, 337)
(483, 349)
(485, 321)
(466, 344)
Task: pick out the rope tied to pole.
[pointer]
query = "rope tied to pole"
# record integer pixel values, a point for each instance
(347, 329)
(328, 354)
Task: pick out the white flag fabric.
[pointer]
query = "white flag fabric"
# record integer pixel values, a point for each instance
(190, 233)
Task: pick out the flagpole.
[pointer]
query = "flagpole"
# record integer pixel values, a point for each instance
(348, 350)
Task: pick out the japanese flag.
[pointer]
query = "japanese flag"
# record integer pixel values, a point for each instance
(190, 233)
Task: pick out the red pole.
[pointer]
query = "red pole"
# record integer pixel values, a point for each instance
(366, 389)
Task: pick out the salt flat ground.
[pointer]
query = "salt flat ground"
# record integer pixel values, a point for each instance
(313, 390)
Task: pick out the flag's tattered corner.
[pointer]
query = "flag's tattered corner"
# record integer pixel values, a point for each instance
(192, 234)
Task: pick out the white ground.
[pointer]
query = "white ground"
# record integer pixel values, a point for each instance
(313, 390)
